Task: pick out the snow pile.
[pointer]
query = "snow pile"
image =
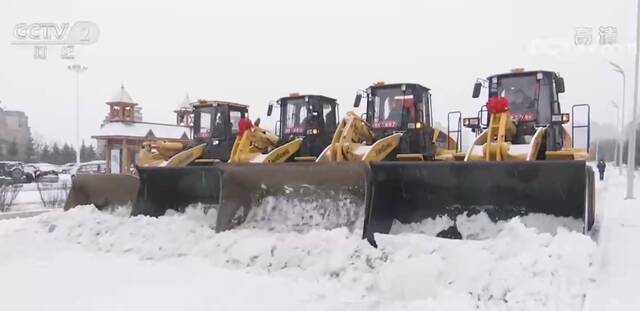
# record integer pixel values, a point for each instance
(519, 268)
(282, 214)
(480, 227)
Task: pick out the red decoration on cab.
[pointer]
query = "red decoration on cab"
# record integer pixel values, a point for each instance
(497, 104)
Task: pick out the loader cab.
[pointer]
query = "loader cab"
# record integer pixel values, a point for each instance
(310, 117)
(216, 123)
(533, 95)
(533, 100)
(402, 107)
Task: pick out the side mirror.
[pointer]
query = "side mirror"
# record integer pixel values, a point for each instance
(476, 89)
(356, 103)
(269, 110)
(560, 85)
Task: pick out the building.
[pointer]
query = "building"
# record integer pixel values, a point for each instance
(14, 126)
(123, 132)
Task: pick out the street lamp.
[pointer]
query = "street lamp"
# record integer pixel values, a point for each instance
(617, 152)
(619, 70)
(631, 155)
(78, 69)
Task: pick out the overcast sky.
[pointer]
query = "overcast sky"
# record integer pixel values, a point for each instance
(255, 51)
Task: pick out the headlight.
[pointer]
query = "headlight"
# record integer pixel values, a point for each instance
(471, 122)
(561, 118)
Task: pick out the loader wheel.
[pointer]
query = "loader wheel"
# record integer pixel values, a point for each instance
(16, 173)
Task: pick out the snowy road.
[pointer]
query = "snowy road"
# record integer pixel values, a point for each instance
(90, 260)
(618, 259)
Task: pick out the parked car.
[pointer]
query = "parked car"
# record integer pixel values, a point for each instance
(93, 167)
(30, 172)
(12, 169)
(45, 172)
(47, 168)
(67, 168)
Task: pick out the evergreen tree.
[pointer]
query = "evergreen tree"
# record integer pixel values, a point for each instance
(67, 154)
(83, 153)
(56, 154)
(13, 150)
(30, 155)
(91, 153)
(45, 154)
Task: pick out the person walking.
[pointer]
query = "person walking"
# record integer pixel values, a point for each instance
(601, 167)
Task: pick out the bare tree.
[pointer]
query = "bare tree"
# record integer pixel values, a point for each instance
(53, 195)
(8, 194)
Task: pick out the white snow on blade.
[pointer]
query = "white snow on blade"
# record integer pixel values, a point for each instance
(174, 258)
(282, 214)
(480, 227)
(428, 226)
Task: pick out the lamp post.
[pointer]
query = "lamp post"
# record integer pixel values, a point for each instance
(617, 154)
(631, 155)
(619, 70)
(78, 69)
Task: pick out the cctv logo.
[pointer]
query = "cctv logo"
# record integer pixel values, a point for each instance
(41, 35)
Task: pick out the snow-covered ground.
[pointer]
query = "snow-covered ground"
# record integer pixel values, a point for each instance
(617, 264)
(90, 260)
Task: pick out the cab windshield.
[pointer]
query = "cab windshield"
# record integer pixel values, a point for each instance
(296, 114)
(529, 97)
(208, 117)
(392, 108)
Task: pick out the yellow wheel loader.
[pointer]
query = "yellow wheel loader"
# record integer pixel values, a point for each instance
(523, 162)
(311, 118)
(397, 127)
(215, 139)
(305, 122)
(334, 191)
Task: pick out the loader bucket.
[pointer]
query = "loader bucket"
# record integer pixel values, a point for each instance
(410, 192)
(102, 190)
(164, 188)
(293, 196)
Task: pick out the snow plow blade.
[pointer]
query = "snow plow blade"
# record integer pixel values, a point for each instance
(410, 192)
(284, 196)
(293, 196)
(175, 188)
(102, 190)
